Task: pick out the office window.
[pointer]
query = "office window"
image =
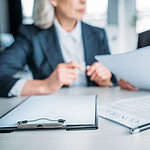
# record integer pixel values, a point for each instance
(143, 15)
(27, 6)
(97, 12)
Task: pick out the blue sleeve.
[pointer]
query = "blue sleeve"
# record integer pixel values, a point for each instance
(13, 60)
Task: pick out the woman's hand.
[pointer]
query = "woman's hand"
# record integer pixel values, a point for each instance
(126, 85)
(64, 74)
(99, 74)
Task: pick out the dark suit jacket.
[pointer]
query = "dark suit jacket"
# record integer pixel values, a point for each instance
(40, 49)
(144, 39)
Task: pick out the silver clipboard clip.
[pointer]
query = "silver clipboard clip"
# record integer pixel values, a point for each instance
(35, 124)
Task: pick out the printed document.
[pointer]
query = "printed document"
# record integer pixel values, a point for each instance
(130, 112)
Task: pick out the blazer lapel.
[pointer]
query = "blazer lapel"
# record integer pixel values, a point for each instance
(52, 48)
(89, 48)
(88, 44)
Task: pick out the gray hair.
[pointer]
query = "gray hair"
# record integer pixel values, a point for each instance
(43, 14)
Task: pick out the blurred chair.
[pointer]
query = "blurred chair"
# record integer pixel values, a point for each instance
(6, 40)
(14, 17)
(144, 39)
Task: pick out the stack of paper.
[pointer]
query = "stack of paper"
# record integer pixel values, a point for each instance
(133, 66)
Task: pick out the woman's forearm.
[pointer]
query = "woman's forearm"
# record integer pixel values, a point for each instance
(35, 87)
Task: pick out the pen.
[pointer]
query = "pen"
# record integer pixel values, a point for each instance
(140, 128)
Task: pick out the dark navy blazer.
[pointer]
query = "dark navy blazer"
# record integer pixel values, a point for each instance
(40, 49)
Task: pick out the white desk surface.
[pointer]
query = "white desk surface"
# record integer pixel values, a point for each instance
(109, 136)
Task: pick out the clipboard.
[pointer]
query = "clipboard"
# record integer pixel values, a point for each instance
(73, 112)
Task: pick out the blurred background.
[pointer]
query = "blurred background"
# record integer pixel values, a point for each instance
(122, 19)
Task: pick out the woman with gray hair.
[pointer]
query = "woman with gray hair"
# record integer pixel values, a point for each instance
(59, 50)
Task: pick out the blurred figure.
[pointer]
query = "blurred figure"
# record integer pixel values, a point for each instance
(59, 49)
(144, 39)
